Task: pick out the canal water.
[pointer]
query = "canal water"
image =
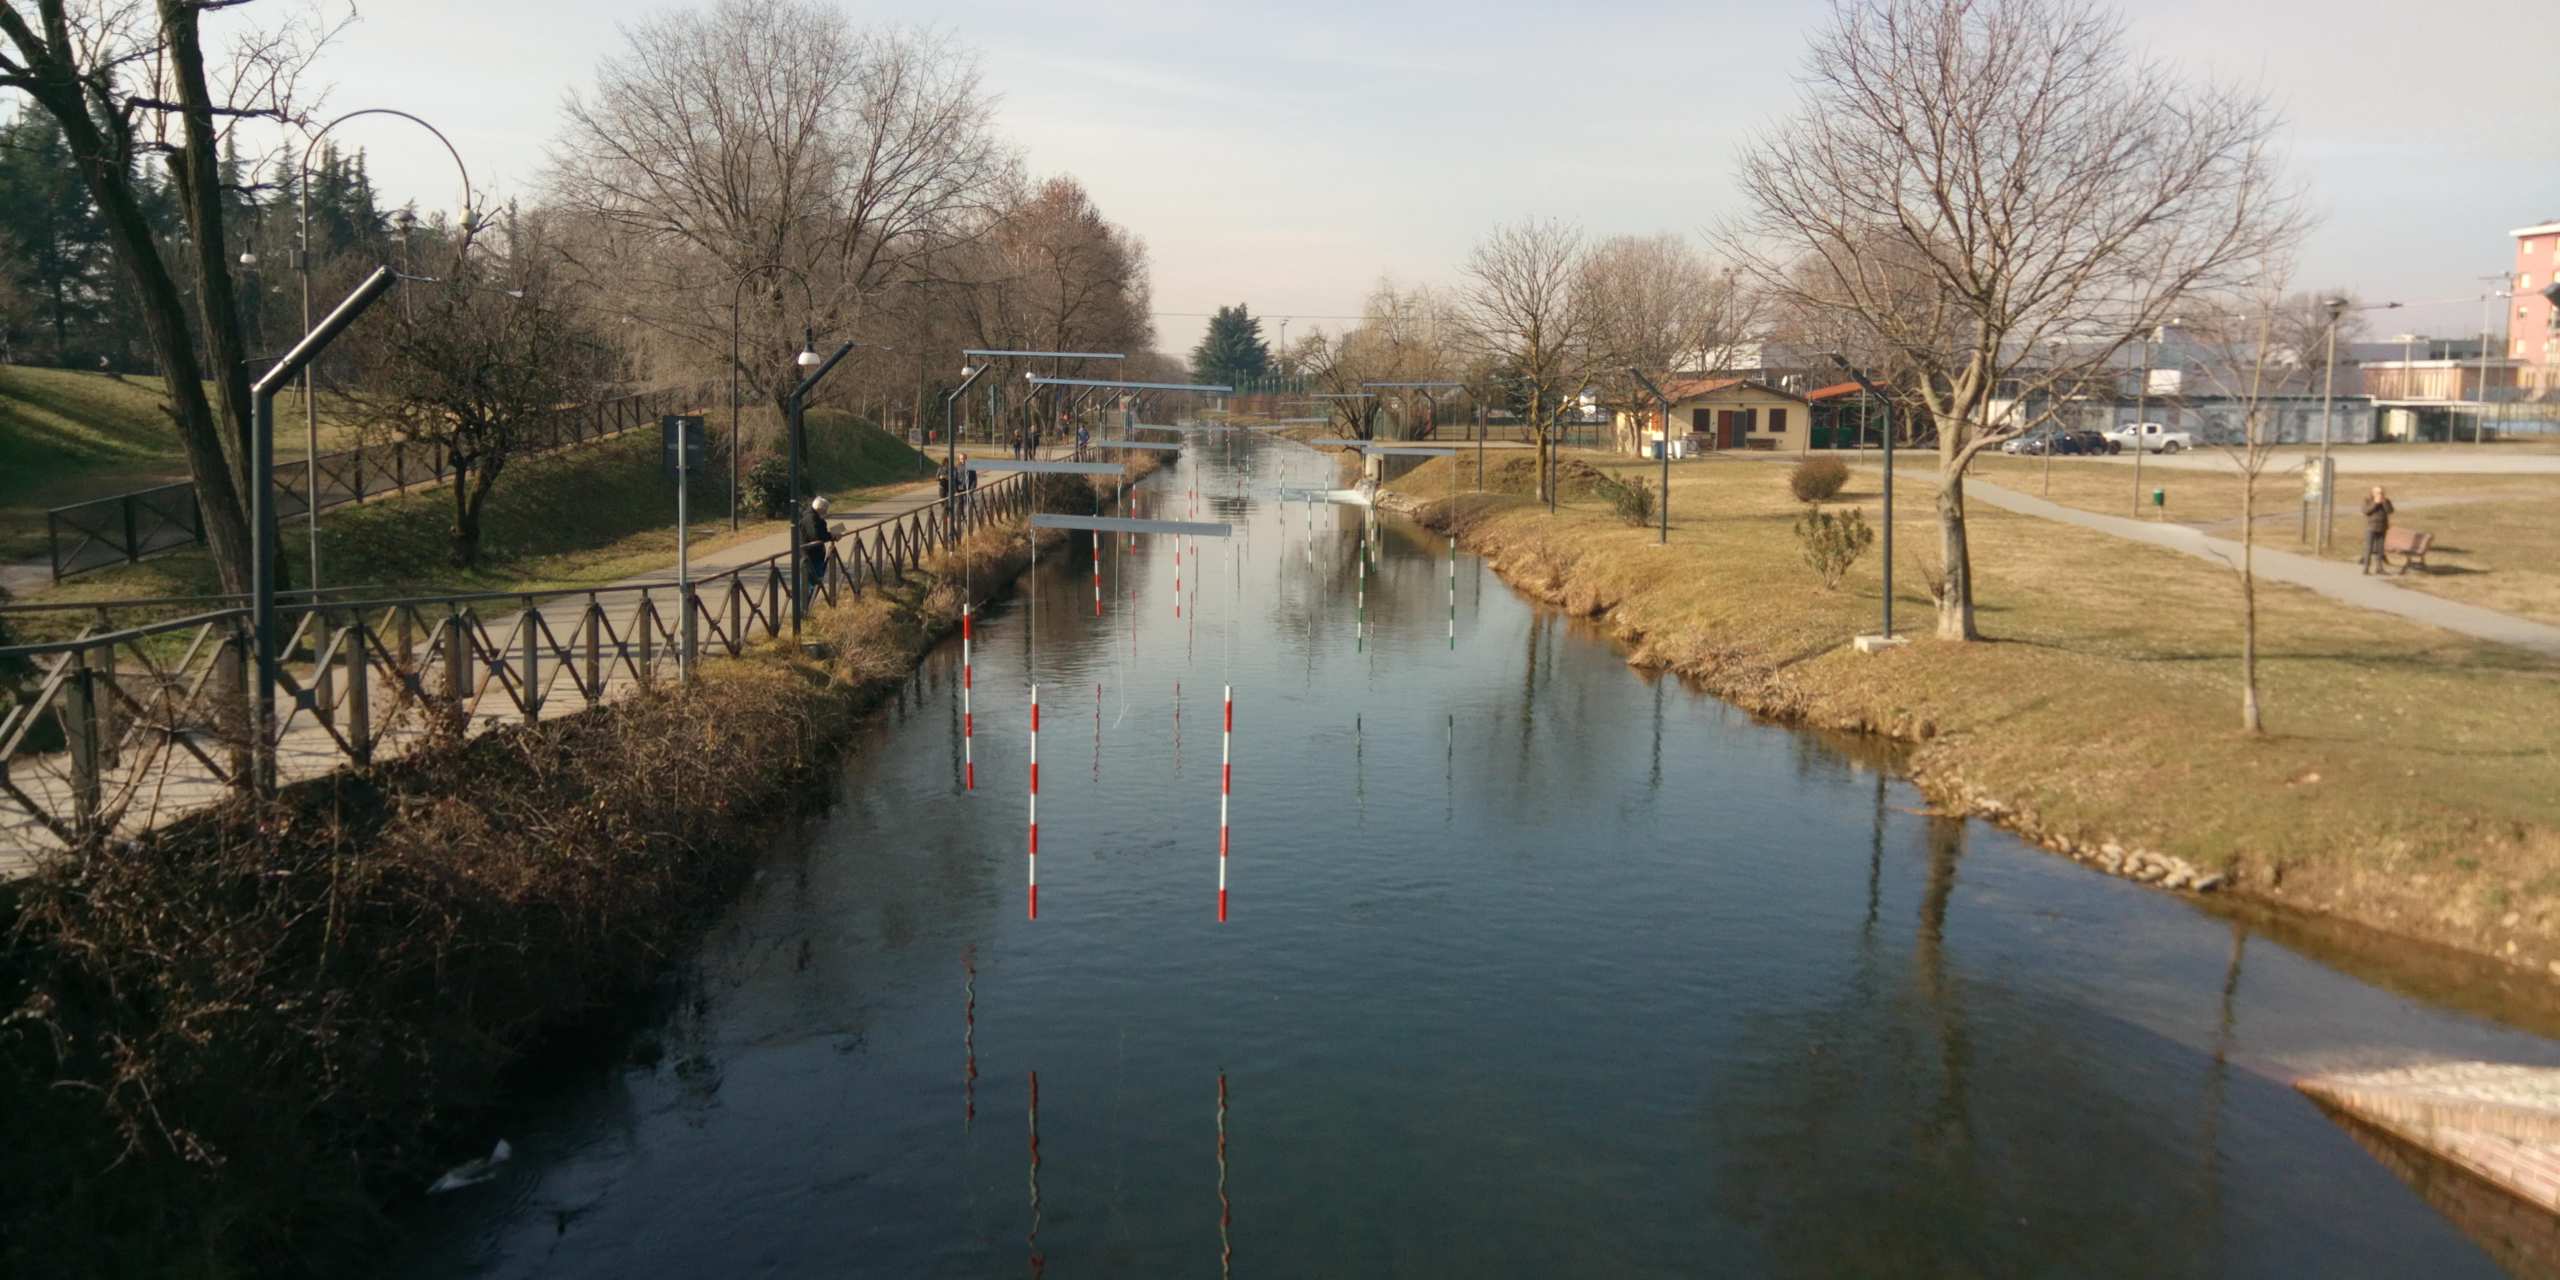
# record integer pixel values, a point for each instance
(1533, 966)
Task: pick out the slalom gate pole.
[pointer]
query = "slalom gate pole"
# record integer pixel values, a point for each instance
(968, 715)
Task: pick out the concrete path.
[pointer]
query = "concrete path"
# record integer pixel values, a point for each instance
(2330, 578)
(2352, 460)
(179, 784)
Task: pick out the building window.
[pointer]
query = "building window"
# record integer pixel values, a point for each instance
(1777, 421)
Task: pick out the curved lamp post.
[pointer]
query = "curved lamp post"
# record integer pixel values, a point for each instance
(302, 265)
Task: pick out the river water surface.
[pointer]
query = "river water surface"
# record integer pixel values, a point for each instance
(1534, 966)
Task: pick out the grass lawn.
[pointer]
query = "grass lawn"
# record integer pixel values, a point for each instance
(67, 436)
(2407, 779)
(581, 517)
(2497, 536)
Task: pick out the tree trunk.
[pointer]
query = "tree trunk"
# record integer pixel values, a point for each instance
(1955, 602)
(157, 300)
(198, 173)
(464, 538)
(2250, 719)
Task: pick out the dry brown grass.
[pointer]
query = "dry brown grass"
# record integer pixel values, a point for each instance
(2407, 781)
(2497, 536)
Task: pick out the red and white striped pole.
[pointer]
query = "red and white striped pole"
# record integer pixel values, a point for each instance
(1097, 573)
(1226, 785)
(968, 716)
(1034, 868)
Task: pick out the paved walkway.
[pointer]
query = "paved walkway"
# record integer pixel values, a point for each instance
(2330, 578)
(181, 784)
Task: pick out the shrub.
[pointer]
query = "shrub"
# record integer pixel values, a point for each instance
(1818, 479)
(1633, 501)
(769, 486)
(1833, 541)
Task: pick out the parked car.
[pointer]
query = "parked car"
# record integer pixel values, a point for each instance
(2153, 437)
(2085, 442)
(2030, 444)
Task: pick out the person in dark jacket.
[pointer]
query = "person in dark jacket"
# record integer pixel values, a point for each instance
(2377, 529)
(816, 538)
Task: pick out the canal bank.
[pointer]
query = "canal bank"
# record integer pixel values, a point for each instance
(2405, 789)
(230, 1043)
(1536, 965)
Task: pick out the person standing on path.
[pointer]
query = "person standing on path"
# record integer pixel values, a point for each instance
(2377, 529)
(814, 543)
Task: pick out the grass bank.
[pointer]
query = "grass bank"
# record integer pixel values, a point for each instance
(2405, 783)
(226, 1048)
(67, 436)
(579, 517)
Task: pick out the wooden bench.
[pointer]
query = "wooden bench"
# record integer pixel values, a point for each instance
(2408, 544)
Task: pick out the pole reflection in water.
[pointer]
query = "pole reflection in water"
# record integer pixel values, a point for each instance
(1226, 1210)
(969, 1040)
(1039, 1262)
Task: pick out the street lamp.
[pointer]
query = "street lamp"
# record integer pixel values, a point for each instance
(1886, 403)
(797, 404)
(2336, 306)
(302, 265)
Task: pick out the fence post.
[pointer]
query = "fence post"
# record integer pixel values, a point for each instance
(528, 626)
(737, 613)
(686, 648)
(355, 469)
(132, 540)
(595, 664)
(359, 695)
(644, 621)
(457, 659)
(323, 681)
(105, 703)
(80, 726)
(231, 684)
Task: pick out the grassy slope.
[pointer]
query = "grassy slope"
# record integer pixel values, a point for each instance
(66, 436)
(574, 518)
(2406, 781)
(2497, 536)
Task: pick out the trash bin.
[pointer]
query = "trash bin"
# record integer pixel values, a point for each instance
(1660, 447)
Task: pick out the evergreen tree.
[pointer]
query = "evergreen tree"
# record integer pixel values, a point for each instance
(1233, 350)
(58, 245)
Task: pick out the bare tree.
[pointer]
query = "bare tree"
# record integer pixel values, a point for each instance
(1660, 306)
(770, 148)
(132, 81)
(2251, 352)
(1970, 180)
(1529, 309)
(477, 367)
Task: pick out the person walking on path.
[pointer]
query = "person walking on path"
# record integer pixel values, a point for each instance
(2377, 529)
(816, 538)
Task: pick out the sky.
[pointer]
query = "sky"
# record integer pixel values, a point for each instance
(1288, 157)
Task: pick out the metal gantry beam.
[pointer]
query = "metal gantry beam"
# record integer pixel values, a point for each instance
(1125, 524)
(1047, 467)
(1043, 380)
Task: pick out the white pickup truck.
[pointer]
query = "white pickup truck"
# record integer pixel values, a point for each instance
(2153, 437)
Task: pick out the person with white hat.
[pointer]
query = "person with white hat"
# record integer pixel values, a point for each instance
(815, 540)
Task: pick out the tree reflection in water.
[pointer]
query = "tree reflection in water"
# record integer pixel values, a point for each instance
(1946, 1122)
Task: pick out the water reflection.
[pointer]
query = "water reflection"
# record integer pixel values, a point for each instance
(1602, 1017)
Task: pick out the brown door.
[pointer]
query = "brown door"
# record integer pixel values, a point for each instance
(1728, 429)
(1778, 422)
